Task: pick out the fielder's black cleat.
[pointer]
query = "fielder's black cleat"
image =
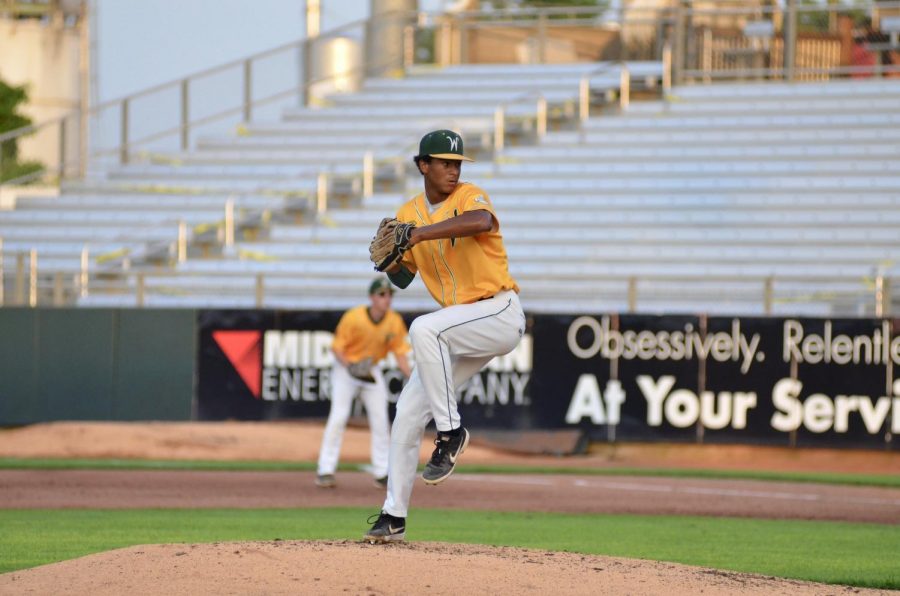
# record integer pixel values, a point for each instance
(443, 460)
(386, 528)
(380, 482)
(326, 481)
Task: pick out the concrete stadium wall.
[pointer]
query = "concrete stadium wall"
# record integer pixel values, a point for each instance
(96, 364)
(45, 59)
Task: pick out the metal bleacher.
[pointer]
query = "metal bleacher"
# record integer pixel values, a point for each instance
(703, 200)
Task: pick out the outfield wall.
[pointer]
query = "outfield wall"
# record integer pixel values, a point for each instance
(615, 377)
(96, 364)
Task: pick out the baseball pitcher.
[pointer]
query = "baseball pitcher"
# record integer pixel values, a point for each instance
(450, 236)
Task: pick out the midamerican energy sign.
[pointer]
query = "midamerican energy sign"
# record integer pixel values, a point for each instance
(259, 365)
(805, 381)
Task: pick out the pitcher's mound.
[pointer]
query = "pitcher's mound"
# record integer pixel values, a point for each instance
(288, 567)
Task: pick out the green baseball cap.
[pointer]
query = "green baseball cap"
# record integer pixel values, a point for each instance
(379, 284)
(443, 144)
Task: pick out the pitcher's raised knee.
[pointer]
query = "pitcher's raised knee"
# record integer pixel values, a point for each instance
(423, 334)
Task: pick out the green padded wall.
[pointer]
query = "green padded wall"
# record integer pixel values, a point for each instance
(18, 366)
(75, 363)
(154, 375)
(96, 364)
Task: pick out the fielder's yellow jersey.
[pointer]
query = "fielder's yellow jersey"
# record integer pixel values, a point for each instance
(358, 337)
(458, 270)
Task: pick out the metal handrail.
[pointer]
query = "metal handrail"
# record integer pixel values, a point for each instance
(659, 277)
(227, 65)
(172, 83)
(584, 88)
(185, 125)
(124, 101)
(877, 288)
(199, 122)
(500, 117)
(32, 128)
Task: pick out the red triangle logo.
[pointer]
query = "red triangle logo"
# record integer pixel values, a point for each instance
(242, 348)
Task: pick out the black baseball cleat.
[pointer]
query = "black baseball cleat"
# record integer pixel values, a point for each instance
(380, 482)
(443, 460)
(386, 528)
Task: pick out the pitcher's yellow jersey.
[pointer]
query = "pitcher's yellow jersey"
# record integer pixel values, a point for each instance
(458, 270)
(357, 336)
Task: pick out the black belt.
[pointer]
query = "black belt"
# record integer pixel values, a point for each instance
(485, 298)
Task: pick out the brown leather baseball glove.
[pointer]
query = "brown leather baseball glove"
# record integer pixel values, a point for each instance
(362, 370)
(390, 242)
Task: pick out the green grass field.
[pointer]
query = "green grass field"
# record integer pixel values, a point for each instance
(842, 553)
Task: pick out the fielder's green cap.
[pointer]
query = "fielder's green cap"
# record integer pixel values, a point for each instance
(379, 284)
(443, 144)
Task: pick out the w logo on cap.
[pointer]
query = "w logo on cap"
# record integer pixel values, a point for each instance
(443, 144)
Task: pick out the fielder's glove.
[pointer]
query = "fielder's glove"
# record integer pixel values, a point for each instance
(390, 242)
(361, 370)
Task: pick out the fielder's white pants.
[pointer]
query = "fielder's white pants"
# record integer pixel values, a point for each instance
(450, 346)
(344, 387)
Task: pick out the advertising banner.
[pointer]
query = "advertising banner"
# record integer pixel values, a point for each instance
(616, 377)
(826, 382)
(263, 364)
(267, 364)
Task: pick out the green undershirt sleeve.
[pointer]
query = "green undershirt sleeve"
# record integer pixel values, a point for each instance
(402, 278)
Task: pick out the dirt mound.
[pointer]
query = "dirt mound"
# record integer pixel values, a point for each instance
(284, 567)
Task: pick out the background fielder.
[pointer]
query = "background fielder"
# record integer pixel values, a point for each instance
(364, 336)
(450, 236)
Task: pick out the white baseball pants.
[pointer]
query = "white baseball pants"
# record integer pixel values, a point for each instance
(344, 387)
(450, 346)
